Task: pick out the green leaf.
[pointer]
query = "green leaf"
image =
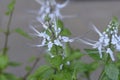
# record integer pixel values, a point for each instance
(3, 77)
(3, 61)
(22, 33)
(93, 53)
(47, 18)
(42, 73)
(105, 78)
(63, 76)
(48, 32)
(60, 24)
(65, 32)
(42, 69)
(48, 74)
(115, 21)
(56, 61)
(112, 71)
(56, 50)
(14, 64)
(118, 55)
(10, 7)
(68, 49)
(75, 55)
(93, 66)
(10, 76)
(117, 62)
(79, 67)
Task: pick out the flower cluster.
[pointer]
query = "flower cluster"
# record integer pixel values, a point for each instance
(53, 38)
(50, 8)
(49, 14)
(108, 41)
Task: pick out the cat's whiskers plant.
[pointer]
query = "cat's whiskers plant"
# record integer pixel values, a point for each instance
(107, 45)
(63, 61)
(56, 40)
(47, 16)
(52, 33)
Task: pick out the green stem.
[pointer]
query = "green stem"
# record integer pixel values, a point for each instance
(32, 68)
(101, 75)
(88, 77)
(106, 61)
(103, 71)
(7, 33)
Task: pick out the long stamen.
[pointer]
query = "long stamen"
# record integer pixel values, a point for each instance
(86, 42)
(63, 5)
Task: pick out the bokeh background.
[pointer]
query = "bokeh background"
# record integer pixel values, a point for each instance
(98, 12)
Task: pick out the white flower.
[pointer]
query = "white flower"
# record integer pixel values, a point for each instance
(62, 39)
(50, 8)
(46, 39)
(42, 44)
(114, 39)
(61, 66)
(45, 26)
(57, 30)
(66, 39)
(101, 43)
(111, 54)
(50, 44)
(40, 34)
(68, 62)
(97, 45)
(118, 46)
(57, 42)
(116, 42)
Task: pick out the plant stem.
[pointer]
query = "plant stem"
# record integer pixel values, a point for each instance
(87, 75)
(101, 75)
(7, 33)
(32, 68)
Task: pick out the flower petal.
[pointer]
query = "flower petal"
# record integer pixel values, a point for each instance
(111, 54)
(63, 5)
(39, 1)
(50, 44)
(100, 51)
(94, 27)
(66, 39)
(86, 42)
(57, 42)
(35, 29)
